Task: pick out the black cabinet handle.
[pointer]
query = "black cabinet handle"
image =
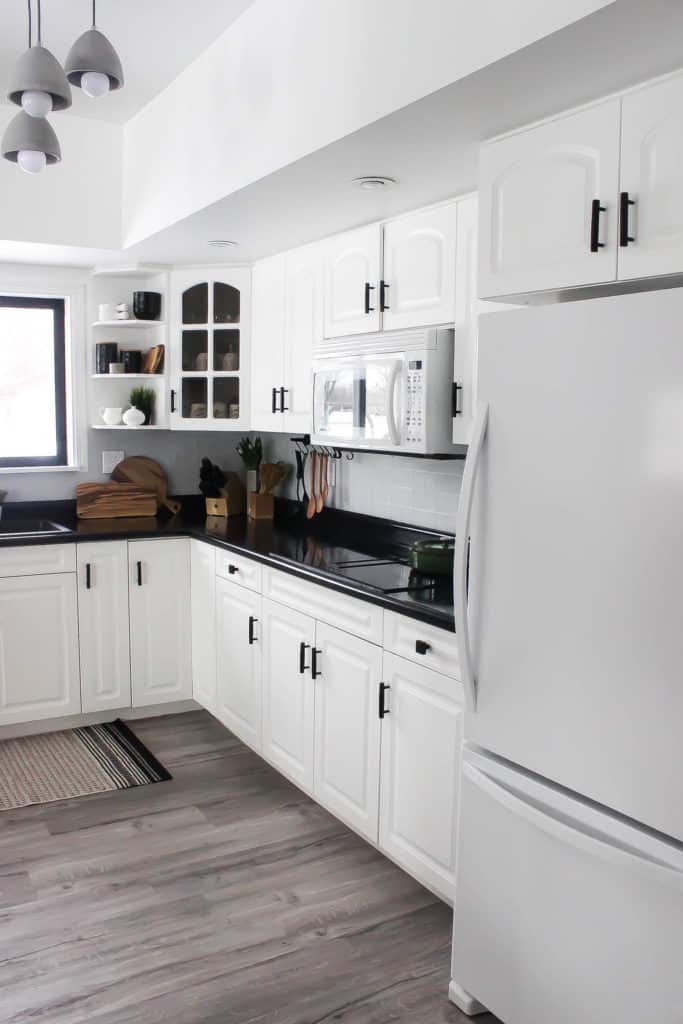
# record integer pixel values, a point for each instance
(303, 647)
(87, 575)
(273, 399)
(624, 203)
(172, 400)
(314, 663)
(368, 288)
(139, 565)
(455, 405)
(421, 647)
(283, 392)
(383, 710)
(596, 210)
(252, 638)
(232, 569)
(383, 286)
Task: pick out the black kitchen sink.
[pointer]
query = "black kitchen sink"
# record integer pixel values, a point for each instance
(29, 528)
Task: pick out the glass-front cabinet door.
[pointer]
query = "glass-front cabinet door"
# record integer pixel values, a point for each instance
(209, 349)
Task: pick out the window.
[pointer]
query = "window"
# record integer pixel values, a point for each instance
(32, 382)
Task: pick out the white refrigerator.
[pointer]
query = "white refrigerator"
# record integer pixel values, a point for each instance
(569, 615)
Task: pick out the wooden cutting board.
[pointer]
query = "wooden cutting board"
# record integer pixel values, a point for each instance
(146, 473)
(115, 501)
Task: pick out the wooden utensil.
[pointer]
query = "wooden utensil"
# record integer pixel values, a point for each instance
(115, 501)
(146, 473)
(312, 501)
(326, 486)
(319, 502)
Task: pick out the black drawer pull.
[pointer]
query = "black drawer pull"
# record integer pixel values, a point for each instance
(87, 576)
(252, 638)
(422, 647)
(302, 657)
(232, 569)
(274, 400)
(383, 287)
(383, 709)
(172, 400)
(368, 288)
(283, 392)
(139, 566)
(596, 210)
(314, 663)
(624, 203)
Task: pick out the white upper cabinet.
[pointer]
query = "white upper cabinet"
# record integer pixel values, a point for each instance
(651, 232)
(238, 660)
(352, 279)
(104, 625)
(210, 355)
(418, 282)
(268, 341)
(347, 728)
(303, 330)
(160, 629)
(549, 205)
(38, 648)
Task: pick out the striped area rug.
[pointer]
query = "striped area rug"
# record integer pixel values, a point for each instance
(74, 762)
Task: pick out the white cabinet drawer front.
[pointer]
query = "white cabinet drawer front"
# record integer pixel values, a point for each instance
(36, 559)
(348, 613)
(428, 646)
(238, 569)
(39, 675)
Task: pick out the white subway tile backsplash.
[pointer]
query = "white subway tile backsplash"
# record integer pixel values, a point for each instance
(420, 492)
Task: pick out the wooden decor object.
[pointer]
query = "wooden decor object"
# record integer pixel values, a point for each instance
(152, 361)
(232, 500)
(145, 472)
(114, 501)
(261, 506)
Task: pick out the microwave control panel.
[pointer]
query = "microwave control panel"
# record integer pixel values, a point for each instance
(414, 417)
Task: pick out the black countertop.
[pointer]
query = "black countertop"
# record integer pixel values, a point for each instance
(290, 543)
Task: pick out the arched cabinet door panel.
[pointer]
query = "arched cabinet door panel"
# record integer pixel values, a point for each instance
(549, 205)
(352, 276)
(419, 269)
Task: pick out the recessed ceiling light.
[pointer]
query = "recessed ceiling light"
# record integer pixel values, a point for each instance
(374, 181)
(219, 243)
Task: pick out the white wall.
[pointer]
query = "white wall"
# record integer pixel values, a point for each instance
(288, 78)
(76, 202)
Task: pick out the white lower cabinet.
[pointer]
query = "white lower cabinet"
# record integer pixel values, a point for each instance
(103, 625)
(347, 728)
(160, 631)
(238, 661)
(288, 691)
(39, 675)
(203, 576)
(421, 741)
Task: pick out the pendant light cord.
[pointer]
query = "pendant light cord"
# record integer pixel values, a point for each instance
(40, 25)
(30, 26)
(93, 13)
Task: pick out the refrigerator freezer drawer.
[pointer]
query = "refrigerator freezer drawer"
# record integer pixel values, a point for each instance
(563, 912)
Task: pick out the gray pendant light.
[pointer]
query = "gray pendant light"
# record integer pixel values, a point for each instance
(93, 64)
(38, 82)
(31, 142)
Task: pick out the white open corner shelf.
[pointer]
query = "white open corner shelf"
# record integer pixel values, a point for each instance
(122, 426)
(129, 323)
(128, 376)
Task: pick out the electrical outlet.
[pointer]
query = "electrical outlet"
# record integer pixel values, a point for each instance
(110, 460)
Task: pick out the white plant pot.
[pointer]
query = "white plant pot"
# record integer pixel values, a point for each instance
(133, 417)
(112, 417)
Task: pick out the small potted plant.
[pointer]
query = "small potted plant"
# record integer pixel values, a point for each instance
(251, 453)
(142, 398)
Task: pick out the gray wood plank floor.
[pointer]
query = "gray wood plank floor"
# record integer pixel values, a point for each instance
(223, 897)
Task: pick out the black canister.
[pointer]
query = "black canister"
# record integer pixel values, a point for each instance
(132, 360)
(106, 352)
(147, 305)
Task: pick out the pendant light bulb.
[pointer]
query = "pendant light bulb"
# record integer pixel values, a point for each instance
(36, 102)
(31, 160)
(95, 84)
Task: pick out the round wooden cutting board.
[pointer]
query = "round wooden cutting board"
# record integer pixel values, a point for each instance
(145, 472)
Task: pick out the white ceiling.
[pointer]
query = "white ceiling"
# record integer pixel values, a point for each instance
(155, 40)
(431, 146)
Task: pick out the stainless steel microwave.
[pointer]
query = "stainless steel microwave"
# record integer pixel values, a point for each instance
(385, 392)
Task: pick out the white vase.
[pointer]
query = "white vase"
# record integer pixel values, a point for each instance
(133, 417)
(112, 417)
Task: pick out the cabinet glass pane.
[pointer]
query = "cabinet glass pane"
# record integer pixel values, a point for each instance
(196, 304)
(195, 350)
(226, 304)
(226, 351)
(226, 398)
(194, 398)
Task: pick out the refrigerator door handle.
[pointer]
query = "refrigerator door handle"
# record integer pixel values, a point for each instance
(559, 823)
(462, 536)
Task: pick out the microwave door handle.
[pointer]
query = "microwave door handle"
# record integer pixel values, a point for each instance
(462, 537)
(391, 405)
